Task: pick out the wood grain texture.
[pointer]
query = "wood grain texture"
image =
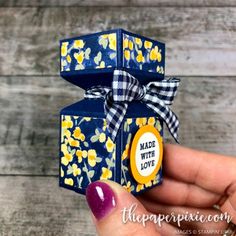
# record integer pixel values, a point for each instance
(37, 206)
(29, 123)
(125, 3)
(200, 41)
(201, 47)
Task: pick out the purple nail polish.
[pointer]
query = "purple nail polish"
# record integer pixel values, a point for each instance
(100, 198)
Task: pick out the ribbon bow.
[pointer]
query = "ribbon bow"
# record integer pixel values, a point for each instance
(126, 88)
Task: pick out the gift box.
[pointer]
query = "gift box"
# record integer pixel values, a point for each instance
(88, 153)
(115, 133)
(91, 59)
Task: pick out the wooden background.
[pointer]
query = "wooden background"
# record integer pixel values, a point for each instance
(201, 49)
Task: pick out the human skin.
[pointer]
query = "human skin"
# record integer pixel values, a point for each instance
(194, 181)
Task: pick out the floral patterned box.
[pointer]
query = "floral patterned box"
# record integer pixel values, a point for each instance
(87, 152)
(91, 59)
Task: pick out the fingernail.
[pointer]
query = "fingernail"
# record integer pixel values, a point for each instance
(100, 198)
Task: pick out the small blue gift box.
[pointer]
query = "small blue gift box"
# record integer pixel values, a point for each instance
(91, 59)
(88, 149)
(87, 152)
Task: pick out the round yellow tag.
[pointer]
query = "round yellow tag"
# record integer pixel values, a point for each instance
(146, 154)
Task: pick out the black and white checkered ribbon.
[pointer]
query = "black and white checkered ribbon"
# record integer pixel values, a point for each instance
(126, 88)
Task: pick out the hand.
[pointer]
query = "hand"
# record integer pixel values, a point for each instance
(194, 182)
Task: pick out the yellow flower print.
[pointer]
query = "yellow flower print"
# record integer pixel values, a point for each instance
(158, 126)
(76, 170)
(105, 36)
(66, 141)
(69, 157)
(140, 57)
(79, 57)
(127, 54)
(159, 57)
(144, 121)
(125, 153)
(73, 142)
(68, 118)
(151, 120)
(102, 137)
(125, 43)
(156, 180)
(129, 121)
(102, 64)
(109, 145)
(79, 155)
(63, 63)
(138, 41)
(67, 133)
(106, 173)
(68, 58)
(141, 121)
(77, 132)
(64, 148)
(128, 186)
(69, 181)
(78, 43)
(66, 159)
(84, 153)
(148, 184)
(104, 125)
(66, 124)
(62, 173)
(131, 45)
(92, 157)
(82, 137)
(64, 48)
(87, 118)
(147, 44)
(138, 122)
(112, 41)
(155, 54)
(139, 187)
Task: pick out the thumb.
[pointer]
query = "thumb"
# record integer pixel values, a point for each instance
(107, 201)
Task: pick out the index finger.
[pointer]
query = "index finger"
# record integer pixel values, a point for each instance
(213, 172)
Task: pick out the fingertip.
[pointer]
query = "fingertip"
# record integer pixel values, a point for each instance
(100, 198)
(108, 202)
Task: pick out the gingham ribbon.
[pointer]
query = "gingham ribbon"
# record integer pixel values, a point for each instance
(126, 88)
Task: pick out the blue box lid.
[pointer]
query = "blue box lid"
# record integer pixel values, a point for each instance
(90, 60)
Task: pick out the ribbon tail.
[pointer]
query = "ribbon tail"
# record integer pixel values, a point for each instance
(165, 90)
(168, 116)
(115, 113)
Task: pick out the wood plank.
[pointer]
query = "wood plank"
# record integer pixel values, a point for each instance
(29, 122)
(37, 206)
(200, 41)
(139, 3)
(32, 160)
